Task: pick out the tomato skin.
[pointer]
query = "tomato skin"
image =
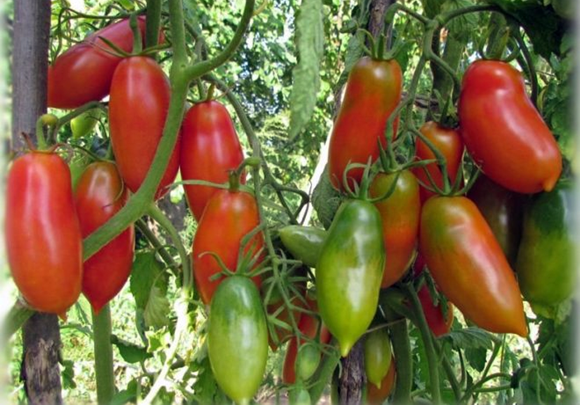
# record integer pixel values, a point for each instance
(99, 195)
(303, 242)
(308, 325)
(377, 349)
(237, 338)
(376, 396)
(138, 107)
(43, 236)
(84, 124)
(210, 148)
(469, 266)
(68, 83)
(449, 143)
(400, 214)
(349, 272)
(503, 211)
(545, 261)
(503, 131)
(236, 212)
(373, 91)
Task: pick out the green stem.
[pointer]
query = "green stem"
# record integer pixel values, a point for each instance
(428, 341)
(104, 374)
(503, 387)
(450, 15)
(469, 392)
(323, 375)
(17, 316)
(75, 113)
(403, 360)
(201, 68)
(153, 22)
(137, 41)
(45, 120)
(157, 245)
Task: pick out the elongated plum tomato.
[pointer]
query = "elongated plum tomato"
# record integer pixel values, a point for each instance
(209, 149)
(227, 218)
(137, 110)
(400, 214)
(503, 131)
(84, 72)
(448, 141)
(309, 326)
(349, 272)
(377, 349)
(43, 236)
(99, 195)
(376, 396)
(237, 338)
(373, 91)
(468, 265)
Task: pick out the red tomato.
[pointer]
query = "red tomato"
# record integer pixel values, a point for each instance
(99, 195)
(468, 265)
(140, 95)
(373, 91)
(308, 325)
(449, 143)
(503, 131)
(209, 149)
(228, 217)
(43, 236)
(84, 72)
(376, 396)
(400, 214)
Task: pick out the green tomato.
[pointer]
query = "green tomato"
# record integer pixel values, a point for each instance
(545, 264)
(307, 361)
(84, 124)
(299, 396)
(304, 242)
(349, 272)
(237, 338)
(377, 356)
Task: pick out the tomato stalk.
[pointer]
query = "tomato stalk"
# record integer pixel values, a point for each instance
(49, 121)
(153, 22)
(137, 41)
(403, 361)
(103, 350)
(428, 341)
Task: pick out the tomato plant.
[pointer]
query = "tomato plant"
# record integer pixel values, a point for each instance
(373, 90)
(503, 131)
(137, 111)
(209, 149)
(99, 195)
(43, 236)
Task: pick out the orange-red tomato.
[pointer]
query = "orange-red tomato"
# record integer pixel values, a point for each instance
(43, 236)
(99, 195)
(138, 107)
(376, 396)
(373, 91)
(503, 131)
(84, 72)
(308, 325)
(227, 218)
(209, 149)
(468, 265)
(400, 214)
(449, 143)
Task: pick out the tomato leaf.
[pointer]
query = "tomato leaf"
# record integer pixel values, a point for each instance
(325, 200)
(130, 352)
(157, 309)
(309, 38)
(461, 27)
(146, 271)
(471, 337)
(476, 357)
(68, 374)
(126, 395)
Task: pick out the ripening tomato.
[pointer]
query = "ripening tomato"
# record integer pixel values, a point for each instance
(84, 72)
(43, 236)
(377, 349)
(376, 396)
(400, 214)
(309, 326)
(469, 266)
(373, 91)
(503, 131)
(449, 143)
(237, 339)
(140, 95)
(99, 195)
(209, 149)
(227, 218)
(349, 272)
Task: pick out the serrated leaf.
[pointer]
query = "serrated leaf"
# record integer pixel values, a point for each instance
(146, 270)
(325, 200)
(306, 74)
(476, 357)
(130, 352)
(127, 395)
(157, 309)
(68, 374)
(471, 337)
